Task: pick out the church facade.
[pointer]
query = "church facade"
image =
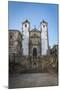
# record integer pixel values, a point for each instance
(30, 48)
(35, 42)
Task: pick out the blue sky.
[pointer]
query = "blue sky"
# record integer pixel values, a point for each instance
(35, 13)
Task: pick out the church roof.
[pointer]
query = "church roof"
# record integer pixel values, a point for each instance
(34, 30)
(26, 21)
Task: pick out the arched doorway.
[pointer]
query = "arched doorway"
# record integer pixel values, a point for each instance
(34, 52)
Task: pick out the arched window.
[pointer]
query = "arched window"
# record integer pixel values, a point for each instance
(43, 25)
(25, 25)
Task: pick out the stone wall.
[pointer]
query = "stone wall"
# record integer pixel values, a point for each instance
(41, 64)
(15, 44)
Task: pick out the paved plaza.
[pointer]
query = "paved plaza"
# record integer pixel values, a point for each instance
(33, 80)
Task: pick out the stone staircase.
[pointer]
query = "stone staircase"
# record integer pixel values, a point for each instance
(35, 65)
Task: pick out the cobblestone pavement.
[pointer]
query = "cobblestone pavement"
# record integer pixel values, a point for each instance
(33, 80)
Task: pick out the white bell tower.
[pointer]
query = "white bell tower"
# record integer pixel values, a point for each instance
(25, 41)
(44, 38)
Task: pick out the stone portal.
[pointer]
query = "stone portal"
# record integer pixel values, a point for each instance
(34, 52)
